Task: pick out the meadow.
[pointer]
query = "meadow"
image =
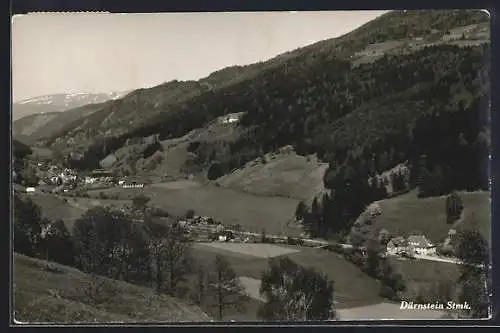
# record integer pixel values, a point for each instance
(251, 212)
(407, 214)
(352, 287)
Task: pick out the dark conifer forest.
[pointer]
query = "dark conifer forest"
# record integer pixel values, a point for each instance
(428, 108)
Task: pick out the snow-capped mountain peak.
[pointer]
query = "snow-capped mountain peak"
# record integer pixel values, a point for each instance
(60, 102)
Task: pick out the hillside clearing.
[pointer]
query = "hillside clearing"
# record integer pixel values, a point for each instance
(57, 295)
(286, 175)
(407, 214)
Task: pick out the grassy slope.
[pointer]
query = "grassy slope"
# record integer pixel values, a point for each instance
(352, 287)
(54, 207)
(423, 273)
(57, 297)
(228, 206)
(406, 214)
(283, 175)
(30, 124)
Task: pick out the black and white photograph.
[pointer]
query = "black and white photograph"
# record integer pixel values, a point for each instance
(225, 167)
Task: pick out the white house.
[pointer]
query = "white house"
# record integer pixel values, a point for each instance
(396, 245)
(231, 118)
(90, 180)
(133, 185)
(421, 245)
(30, 190)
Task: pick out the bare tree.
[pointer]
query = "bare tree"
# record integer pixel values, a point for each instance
(200, 284)
(226, 286)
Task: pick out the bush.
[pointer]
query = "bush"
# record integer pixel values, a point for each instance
(454, 207)
(190, 213)
(102, 195)
(336, 248)
(387, 292)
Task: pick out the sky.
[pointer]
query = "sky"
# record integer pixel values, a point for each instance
(98, 53)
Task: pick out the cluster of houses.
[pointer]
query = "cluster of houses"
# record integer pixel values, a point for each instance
(207, 229)
(52, 178)
(105, 177)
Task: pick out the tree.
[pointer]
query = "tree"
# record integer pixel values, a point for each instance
(190, 214)
(200, 284)
(474, 280)
(57, 243)
(392, 282)
(454, 207)
(374, 251)
(226, 287)
(135, 253)
(315, 217)
(100, 239)
(263, 237)
(293, 292)
(301, 210)
(28, 224)
(28, 176)
(215, 171)
(140, 201)
(170, 256)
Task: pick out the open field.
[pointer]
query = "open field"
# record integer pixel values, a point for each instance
(58, 296)
(420, 274)
(55, 208)
(252, 287)
(256, 250)
(41, 154)
(252, 212)
(407, 214)
(66, 208)
(285, 175)
(352, 287)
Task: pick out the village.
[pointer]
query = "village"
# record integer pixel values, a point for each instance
(58, 180)
(55, 179)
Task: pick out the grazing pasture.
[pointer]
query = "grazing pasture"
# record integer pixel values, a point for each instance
(352, 287)
(231, 207)
(407, 214)
(255, 250)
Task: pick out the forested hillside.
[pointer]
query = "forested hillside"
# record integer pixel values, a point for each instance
(427, 107)
(153, 105)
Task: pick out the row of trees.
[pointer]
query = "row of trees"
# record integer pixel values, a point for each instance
(335, 211)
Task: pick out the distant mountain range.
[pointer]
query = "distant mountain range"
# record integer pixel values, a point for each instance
(58, 103)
